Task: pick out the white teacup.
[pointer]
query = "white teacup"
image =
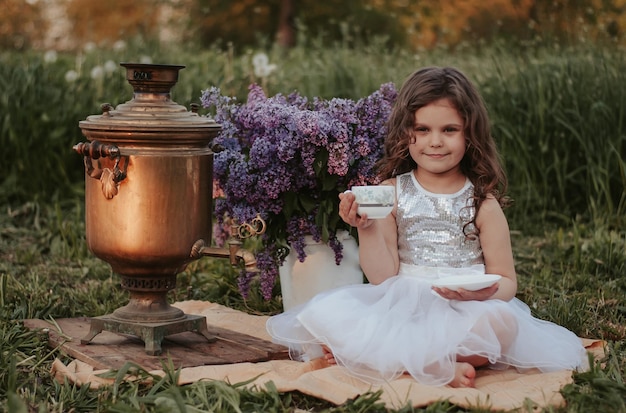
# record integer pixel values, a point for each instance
(375, 201)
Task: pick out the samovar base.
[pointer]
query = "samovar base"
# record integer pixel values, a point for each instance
(152, 334)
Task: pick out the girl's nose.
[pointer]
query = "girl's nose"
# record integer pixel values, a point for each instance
(435, 139)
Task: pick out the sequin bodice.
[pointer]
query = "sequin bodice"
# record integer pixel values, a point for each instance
(430, 226)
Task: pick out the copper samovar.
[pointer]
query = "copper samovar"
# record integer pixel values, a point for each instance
(148, 202)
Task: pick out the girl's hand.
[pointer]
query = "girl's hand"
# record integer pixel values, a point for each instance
(466, 295)
(348, 211)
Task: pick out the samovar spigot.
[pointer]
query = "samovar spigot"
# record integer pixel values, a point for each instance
(235, 253)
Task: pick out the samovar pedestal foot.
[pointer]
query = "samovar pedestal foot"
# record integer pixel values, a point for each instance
(152, 334)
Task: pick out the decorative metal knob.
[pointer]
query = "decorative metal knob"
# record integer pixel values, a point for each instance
(106, 108)
(246, 230)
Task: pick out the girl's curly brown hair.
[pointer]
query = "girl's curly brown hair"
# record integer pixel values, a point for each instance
(481, 162)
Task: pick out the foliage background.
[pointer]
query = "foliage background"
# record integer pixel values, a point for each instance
(422, 24)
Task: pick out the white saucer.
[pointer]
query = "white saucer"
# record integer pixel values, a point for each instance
(377, 212)
(467, 282)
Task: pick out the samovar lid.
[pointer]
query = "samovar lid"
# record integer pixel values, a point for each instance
(151, 116)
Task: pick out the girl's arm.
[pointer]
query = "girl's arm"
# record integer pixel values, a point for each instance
(378, 240)
(495, 240)
(378, 249)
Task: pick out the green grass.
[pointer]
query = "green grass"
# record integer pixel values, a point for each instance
(559, 122)
(558, 113)
(571, 275)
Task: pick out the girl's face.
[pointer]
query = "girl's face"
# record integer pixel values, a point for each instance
(438, 140)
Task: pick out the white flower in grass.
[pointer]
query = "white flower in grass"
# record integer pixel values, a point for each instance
(262, 66)
(89, 47)
(71, 76)
(260, 59)
(97, 72)
(50, 56)
(264, 71)
(119, 45)
(110, 67)
(145, 59)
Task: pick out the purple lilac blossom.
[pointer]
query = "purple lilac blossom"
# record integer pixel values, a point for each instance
(271, 146)
(221, 234)
(337, 248)
(267, 265)
(243, 282)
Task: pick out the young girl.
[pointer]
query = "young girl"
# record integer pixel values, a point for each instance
(447, 220)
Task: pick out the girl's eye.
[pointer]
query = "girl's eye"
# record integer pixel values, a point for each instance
(451, 129)
(421, 129)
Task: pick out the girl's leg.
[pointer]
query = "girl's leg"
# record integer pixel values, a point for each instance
(465, 370)
(504, 325)
(475, 361)
(328, 355)
(464, 375)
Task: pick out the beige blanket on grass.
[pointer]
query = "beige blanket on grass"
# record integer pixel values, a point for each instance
(497, 390)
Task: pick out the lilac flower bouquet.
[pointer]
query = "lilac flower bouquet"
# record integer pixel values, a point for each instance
(288, 158)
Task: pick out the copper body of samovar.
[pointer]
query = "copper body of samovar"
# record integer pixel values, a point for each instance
(148, 202)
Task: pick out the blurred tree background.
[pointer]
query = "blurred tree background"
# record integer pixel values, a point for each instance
(551, 70)
(22, 24)
(417, 24)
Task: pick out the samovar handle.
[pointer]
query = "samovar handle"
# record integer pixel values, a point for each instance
(110, 179)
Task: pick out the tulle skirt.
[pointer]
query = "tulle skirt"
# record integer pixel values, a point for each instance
(380, 332)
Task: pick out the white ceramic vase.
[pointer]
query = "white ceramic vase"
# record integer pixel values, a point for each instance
(300, 281)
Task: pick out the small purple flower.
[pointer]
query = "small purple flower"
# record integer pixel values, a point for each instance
(243, 282)
(269, 270)
(256, 95)
(337, 247)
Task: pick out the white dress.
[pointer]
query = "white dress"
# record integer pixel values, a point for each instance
(401, 326)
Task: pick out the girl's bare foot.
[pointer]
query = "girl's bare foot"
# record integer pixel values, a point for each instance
(464, 375)
(328, 355)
